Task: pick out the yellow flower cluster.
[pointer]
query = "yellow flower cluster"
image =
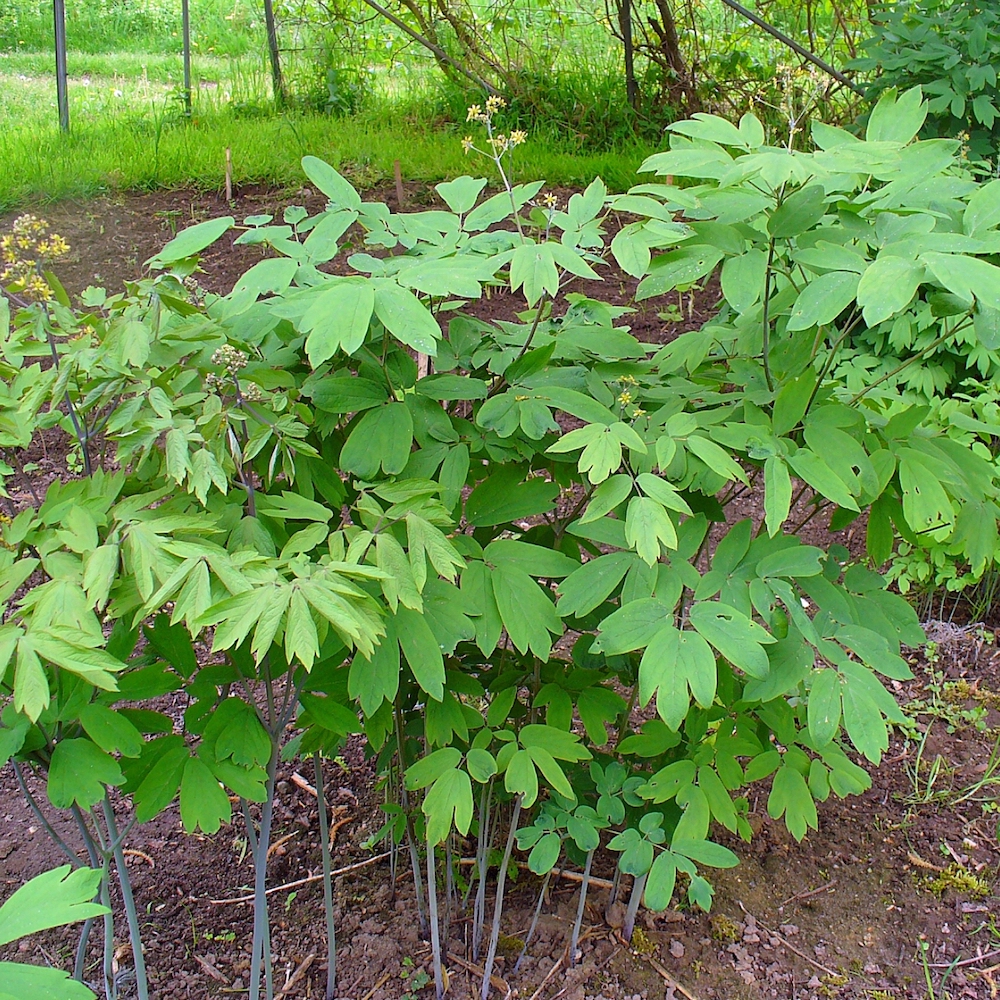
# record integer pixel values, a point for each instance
(24, 251)
(494, 103)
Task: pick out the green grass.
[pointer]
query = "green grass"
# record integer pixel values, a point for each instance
(128, 131)
(141, 153)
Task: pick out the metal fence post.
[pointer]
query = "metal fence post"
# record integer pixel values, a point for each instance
(62, 91)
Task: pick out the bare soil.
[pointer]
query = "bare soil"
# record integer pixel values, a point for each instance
(847, 913)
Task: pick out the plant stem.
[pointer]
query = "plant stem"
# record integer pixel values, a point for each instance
(260, 948)
(638, 887)
(534, 920)
(80, 964)
(479, 910)
(109, 937)
(498, 908)
(128, 901)
(581, 906)
(71, 855)
(411, 839)
(616, 884)
(432, 902)
(766, 332)
(324, 836)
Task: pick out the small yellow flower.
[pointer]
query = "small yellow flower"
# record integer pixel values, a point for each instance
(467, 144)
(550, 200)
(494, 103)
(37, 289)
(475, 113)
(625, 398)
(517, 137)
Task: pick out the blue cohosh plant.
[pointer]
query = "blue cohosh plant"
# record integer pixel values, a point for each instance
(489, 561)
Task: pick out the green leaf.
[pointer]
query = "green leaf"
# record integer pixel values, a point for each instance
(375, 678)
(791, 402)
(427, 541)
(34, 982)
(94, 665)
(52, 899)
(647, 526)
(716, 458)
(631, 250)
(591, 584)
(824, 706)
(406, 318)
(204, 803)
(533, 267)
(743, 279)
(551, 771)
(333, 185)
(982, 213)
(78, 772)
(823, 300)
(893, 120)
(451, 387)
(449, 800)
(607, 496)
(338, 319)
(157, 790)
(632, 626)
(793, 561)
(662, 492)
(811, 468)
(461, 194)
(520, 777)
(660, 882)
(798, 213)
(777, 494)
(863, 720)
(734, 635)
(191, 241)
(422, 652)
(545, 854)
(683, 266)
(535, 560)
(347, 394)
(559, 743)
(382, 438)
(503, 497)
(705, 852)
(674, 663)
(527, 613)
(925, 503)
(711, 128)
(887, 286)
(481, 764)
(301, 638)
(790, 797)
(986, 323)
(428, 769)
(110, 730)
(31, 686)
(598, 706)
(968, 277)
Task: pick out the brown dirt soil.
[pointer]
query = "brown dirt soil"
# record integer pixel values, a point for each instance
(843, 914)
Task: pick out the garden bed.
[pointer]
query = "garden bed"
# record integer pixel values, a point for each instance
(846, 913)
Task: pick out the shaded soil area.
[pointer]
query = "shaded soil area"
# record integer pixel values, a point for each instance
(111, 237)
(896, 886)
(906, 869)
